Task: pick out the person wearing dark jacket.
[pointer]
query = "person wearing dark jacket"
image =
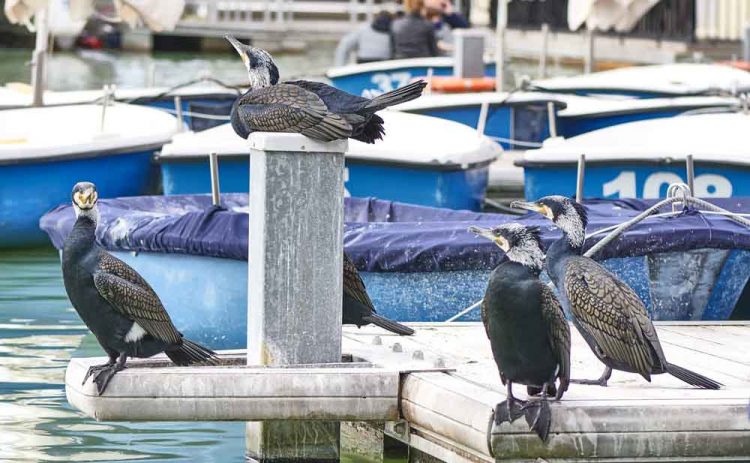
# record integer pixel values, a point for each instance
(412, 35)
(371, 42)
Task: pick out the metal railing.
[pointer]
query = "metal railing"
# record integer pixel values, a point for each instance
(321, 16)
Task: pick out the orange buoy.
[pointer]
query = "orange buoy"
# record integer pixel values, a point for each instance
(449, 84)
(744, 65)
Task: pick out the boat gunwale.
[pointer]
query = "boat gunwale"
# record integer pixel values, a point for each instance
(79, 155)
(624, 162)
(447, 167)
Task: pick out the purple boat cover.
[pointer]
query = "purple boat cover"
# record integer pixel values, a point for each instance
(385, 236)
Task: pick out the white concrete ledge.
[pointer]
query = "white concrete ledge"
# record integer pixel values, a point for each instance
(155, 390)
(293, 142)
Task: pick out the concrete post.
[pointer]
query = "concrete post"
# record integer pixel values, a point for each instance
(295, 248)
(746, 43)
(294, 277)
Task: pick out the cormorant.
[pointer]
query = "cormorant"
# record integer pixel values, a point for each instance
(608, 313)
(313, 109)
(115, 302)
(357, 306)
(529, 336)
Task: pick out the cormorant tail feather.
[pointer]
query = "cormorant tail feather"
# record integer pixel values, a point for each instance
(692, 377)
(372, 131)
(189, 353)
(400, 95)
(390, 325)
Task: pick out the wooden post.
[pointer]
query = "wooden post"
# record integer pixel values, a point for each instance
(295, 277)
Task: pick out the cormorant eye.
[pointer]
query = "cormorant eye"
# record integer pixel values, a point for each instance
(498, 233)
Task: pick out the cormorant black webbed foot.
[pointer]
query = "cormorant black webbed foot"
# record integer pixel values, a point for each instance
(601, 381)
(96, 369)
(103, 377)
(538, 417)
(509, 410)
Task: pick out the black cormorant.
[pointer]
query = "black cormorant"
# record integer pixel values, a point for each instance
(115, 302)
(357, 306)
(313, 109)
(608, 313)
(526, 325)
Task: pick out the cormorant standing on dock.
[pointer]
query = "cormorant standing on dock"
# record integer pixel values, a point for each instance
(358, 308)
(313, 109)
(607, 312)
(526, 326)
(115, 302)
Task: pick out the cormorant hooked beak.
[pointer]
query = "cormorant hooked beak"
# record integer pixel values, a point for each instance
(534, 207)
(85, 195)
(491, 235)
(243, 50)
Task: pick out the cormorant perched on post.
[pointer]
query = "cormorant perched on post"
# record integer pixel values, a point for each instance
(608, 313)
(358, 308)
(313, 109)
(526, 326)
(115, 302)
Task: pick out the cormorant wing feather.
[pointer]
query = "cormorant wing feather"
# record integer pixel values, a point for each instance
(353, 284)
(139, 303)
(558, 332)
(111, 264)
(289, 108)
(335, 99)
(612, 314)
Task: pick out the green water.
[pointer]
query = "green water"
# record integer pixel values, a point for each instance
(39, 333)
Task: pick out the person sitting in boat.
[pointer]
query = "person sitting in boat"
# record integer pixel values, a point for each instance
(440, 13)
(371, 42)
(413, 36)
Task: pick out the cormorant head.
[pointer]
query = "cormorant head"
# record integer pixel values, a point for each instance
(261, 70)
(84, 197)
(568, 215)
(521, 244)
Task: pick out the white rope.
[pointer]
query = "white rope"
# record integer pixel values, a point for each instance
(465, 311)
(213, 117)
(530, 144)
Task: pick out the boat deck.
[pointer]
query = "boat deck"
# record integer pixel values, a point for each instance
(447, 386)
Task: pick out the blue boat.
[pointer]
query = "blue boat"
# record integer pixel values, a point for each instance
(653, 81)
(422, 160)
(641, 159)
(419, 263)
(515, 120)
(372, 79)
(43, 151)
(520, 120)
(196, 100)
(585, 114)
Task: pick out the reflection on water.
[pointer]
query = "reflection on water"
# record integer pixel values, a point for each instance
(92, 69)
(39, 332)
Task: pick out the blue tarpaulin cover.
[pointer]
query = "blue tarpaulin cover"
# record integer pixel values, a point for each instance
(385, 236)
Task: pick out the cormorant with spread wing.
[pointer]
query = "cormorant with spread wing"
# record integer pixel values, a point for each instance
(313, 109)
(357, 306)
(115, 302)
(525, 323)
(608, 313)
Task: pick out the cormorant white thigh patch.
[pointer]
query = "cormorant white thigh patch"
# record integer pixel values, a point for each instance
(135, 333)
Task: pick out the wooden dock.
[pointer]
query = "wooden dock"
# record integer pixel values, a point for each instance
(437, 391)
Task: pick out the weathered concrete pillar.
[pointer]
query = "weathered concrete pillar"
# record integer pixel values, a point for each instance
(294, 277)
(295, 248)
